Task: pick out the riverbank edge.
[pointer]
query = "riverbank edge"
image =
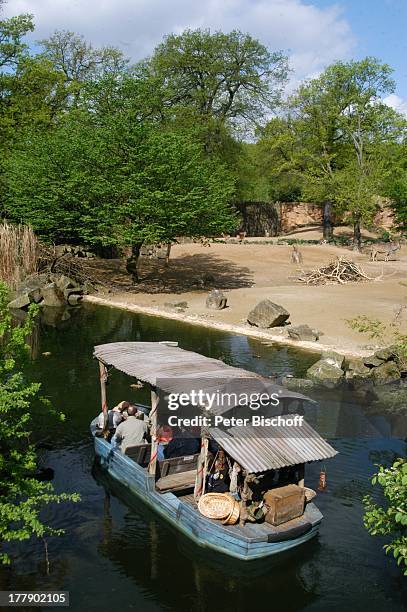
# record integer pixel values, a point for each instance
(314, 347)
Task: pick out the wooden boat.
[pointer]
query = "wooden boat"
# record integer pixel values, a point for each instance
(173, 487)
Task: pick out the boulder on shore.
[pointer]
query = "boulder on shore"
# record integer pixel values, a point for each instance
(385, 354)
(63, 282)
(216, 300)
(268, 314)
(357, 368)
(21, 301)
(303, 332)
(74, 299)
(372, 361)
(386, 372)
(326, 373)
(297, 384)
(49, 289)
(52, 296)
(334, 358)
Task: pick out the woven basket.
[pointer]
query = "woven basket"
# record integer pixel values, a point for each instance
(216, 505)
(234, 515)
(309, 494)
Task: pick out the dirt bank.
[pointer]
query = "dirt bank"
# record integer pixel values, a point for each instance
(248, 273)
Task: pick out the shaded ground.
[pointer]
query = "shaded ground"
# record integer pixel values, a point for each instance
(251, 272)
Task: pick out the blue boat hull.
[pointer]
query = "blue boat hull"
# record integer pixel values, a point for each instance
(204, 532)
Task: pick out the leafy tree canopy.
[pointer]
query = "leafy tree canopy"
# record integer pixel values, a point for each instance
(390, 519)
(229, 77)
(22, 495)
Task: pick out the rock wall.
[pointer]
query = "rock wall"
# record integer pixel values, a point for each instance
(259, 218)
(272, 219)
(299, 214)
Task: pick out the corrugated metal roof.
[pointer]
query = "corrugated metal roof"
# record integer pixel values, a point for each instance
(175, 370)
(258, 449)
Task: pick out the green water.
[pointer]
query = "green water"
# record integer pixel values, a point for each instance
(117, 554)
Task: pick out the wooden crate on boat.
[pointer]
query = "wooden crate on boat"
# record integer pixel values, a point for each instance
(285, 503)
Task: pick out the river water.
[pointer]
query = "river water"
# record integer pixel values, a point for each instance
(116, 554)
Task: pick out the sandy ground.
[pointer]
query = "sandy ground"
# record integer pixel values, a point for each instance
(250, 272)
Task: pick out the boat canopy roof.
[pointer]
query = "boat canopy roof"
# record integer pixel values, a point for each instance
(258, 449)
(175, 370)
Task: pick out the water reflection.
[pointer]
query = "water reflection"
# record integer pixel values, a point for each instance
(205, 572)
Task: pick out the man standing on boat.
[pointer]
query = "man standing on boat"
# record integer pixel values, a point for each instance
(130, 432)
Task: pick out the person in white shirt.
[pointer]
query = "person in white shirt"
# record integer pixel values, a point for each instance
(130, 432)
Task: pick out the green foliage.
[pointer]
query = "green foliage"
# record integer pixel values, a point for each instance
(385, 333)
(226, 77)
(95, 150)
(373, 327)
(390, 520)
(113, 180)
(330, 145)
(22, 496)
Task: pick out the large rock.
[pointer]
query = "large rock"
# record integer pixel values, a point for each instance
(72, 290)
(357, 369)
(372, 361)
(63, 282)
(74, 299)
(297, 384)
(385, 354)
(52, 295)
(326, 373)
(216, 300)
(303, 332)
(35, 281)
(386, 372)
(21, 301)
(267, 314)
(334, 358)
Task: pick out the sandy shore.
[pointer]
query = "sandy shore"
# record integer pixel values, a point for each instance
(248, 273)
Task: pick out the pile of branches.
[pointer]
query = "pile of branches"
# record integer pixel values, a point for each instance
(77, 268)
(340, 271)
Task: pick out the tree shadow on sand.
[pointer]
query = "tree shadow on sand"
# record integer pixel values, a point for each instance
(186, 273)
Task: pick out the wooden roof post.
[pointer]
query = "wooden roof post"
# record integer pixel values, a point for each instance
(153, 425)
(103, 379)
(201, 469)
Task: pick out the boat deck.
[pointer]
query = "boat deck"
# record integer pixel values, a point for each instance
(257, 532)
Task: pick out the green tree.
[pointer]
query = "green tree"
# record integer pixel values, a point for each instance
(22, 496)
(113, 180)
(79, 63)
(221, 78)
(12, 46)
(331, 140)
(390, 519)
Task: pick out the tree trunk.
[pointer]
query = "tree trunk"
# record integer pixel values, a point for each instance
(132, 262)
(357, 236)
(167, 255)
(328, 231)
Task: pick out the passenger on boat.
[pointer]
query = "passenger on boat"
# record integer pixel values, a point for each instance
(131, 432)
(115, 416)
(182, 445)
(164, 436)
(218, 480)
